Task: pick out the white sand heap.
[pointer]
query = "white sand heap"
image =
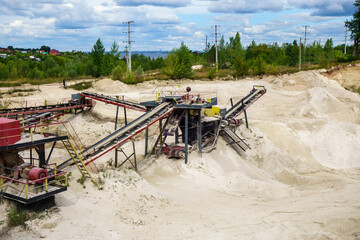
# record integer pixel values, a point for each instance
(301, 179)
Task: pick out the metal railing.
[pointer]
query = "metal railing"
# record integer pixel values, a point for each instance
(176, 91)
(41, 183)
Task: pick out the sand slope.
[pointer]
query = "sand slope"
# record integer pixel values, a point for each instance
(301, 179)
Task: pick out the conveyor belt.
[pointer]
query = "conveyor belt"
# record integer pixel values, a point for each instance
(34, 119)
(235, 141)
(244, 103)
(122, 135)
(40, 109)
(114, 101)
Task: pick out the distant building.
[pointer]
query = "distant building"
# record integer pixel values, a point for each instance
(54, 52)
(3, 55)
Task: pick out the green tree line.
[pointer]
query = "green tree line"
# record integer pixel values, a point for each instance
(71, 65)
(255, 59)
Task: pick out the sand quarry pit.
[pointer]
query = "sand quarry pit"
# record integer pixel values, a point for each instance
(301, 179)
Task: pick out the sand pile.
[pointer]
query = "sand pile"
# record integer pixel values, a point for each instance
(300, 180)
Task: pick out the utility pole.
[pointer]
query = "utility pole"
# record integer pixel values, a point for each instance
(345, 40)
(129, 44)
(306, 27)
(216, 49)
(300, 56)
(206, 43)
(127, 56)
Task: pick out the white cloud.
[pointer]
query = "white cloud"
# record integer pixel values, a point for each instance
(73, 24)
(326, 8)
(164, 3)
(243, 6)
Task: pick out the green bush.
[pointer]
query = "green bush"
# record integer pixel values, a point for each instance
(259, 66)
(139, 73)
(212, 73)
(272, 70)
(178, 63)
(129, 78)
(35, 74)
(17, 218)
(240, 66)
(117, 73)
(81, 86)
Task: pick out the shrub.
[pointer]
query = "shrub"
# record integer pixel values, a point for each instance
(117, 73)
(259, 66)
(81, 86)
(129, 78)
(212, 73)
(272, 70)
(16, 218)
(139, 74)
(178, 63)
(35, 74)
(240, 66)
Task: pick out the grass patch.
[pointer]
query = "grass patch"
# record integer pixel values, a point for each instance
(10, 84)
(5, 104)
(82, 180)
(17, 217)
(81, 86)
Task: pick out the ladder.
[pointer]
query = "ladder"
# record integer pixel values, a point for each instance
(74, 147)
(77, 158)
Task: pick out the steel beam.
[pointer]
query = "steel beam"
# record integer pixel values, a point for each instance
(199, 135)
(146, 140)
(186, 134)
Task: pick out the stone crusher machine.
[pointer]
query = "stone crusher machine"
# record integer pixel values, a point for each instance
(26, 174)
(197, 124)
(186, 122)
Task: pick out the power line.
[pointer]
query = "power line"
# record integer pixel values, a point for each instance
(129, 45)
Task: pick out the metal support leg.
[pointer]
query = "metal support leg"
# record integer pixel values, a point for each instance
(41, 152)
(146, 140)
(116, 157)
(161, 134)
(116, 118)
(134, 156)
(186, 134)
(126, 122)
(116, 150)
(52, 148)
(177, 135)
(231, 101)
(31, 158)
(200, 133)
(246, 120)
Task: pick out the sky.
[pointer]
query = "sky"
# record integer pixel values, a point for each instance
(163, 24)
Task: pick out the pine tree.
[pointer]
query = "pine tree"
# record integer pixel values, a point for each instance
(97, 53)
(354, 26)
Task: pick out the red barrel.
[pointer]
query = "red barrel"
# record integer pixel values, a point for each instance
(37, 173)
